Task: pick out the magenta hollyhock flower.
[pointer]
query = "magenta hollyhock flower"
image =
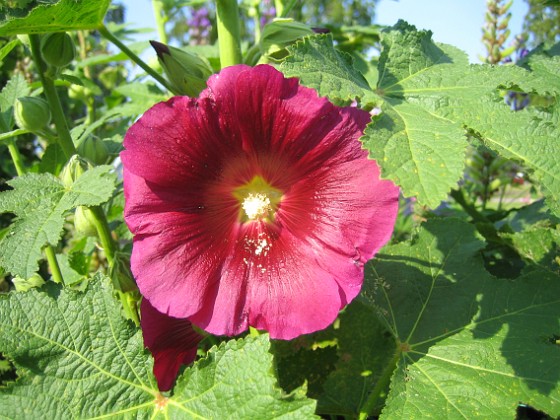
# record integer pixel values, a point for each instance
(253, 205)
(172, 342)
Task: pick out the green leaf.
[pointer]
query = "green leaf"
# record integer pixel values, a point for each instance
(236, 381)
(459, 326)
(78, 358)
(545, 63)
(321, 66)
(40, 202)
(65, 15)
(6, 49)
(142, 96)
(434, 93)
(16, 87)
(364, 350)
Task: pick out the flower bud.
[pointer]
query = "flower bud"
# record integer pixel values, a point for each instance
(94, 150)
(84, 221)
(58, 49)
(280, 33)
(75, 167)
(187, 72)
(32, 113)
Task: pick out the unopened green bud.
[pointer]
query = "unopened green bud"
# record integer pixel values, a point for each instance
(94, 150)
(58, 49)
(32, 113)
(75, 167)
(279, 34)
(84, 221)
(187, 72)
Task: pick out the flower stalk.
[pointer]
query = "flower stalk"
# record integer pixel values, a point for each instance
(229, 39)
(104, 233)
(64, 137)
(16, 158)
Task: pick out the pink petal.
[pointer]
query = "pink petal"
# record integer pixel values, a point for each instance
(194, 258)
(172, 341)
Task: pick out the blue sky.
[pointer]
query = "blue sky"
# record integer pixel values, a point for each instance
(455, 22)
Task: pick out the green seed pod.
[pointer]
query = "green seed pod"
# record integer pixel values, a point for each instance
(75, 167)
(187, 72)
(58, 49)
(32, 113)
(84, 221)
(94, 150)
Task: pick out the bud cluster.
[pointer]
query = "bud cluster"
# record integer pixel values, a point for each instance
(495, 31)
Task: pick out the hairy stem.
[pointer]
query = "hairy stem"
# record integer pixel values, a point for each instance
(229, 39)
(381, 385)
(59, 119)
(161, 20)
(105, 32)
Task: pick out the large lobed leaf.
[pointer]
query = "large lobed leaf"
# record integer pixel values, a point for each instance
(65, 15)
(78, 358)
(41, 202)
(431, 94)
(459, 326)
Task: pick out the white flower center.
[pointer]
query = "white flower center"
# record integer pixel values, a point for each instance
(256, 206)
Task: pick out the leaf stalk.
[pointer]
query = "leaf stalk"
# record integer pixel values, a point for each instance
(381, 385)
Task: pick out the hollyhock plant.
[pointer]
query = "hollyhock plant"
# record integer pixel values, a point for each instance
(253, 205)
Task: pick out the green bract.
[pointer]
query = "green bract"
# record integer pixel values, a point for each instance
(74, 169)
(32, 113)
(84, 221)
(94, 150)
(186, 71)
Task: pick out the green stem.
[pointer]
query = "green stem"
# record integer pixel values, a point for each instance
(279, 6)
(14, 133)
(105, 32)
(53, 264)
(64, 137)
(257, 23)
(104, 233)
(161, 20)
(381, 385)
(229, 39)
(459, 197)
(16, 158)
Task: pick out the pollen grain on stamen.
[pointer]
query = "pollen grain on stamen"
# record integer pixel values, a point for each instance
(256, 206)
